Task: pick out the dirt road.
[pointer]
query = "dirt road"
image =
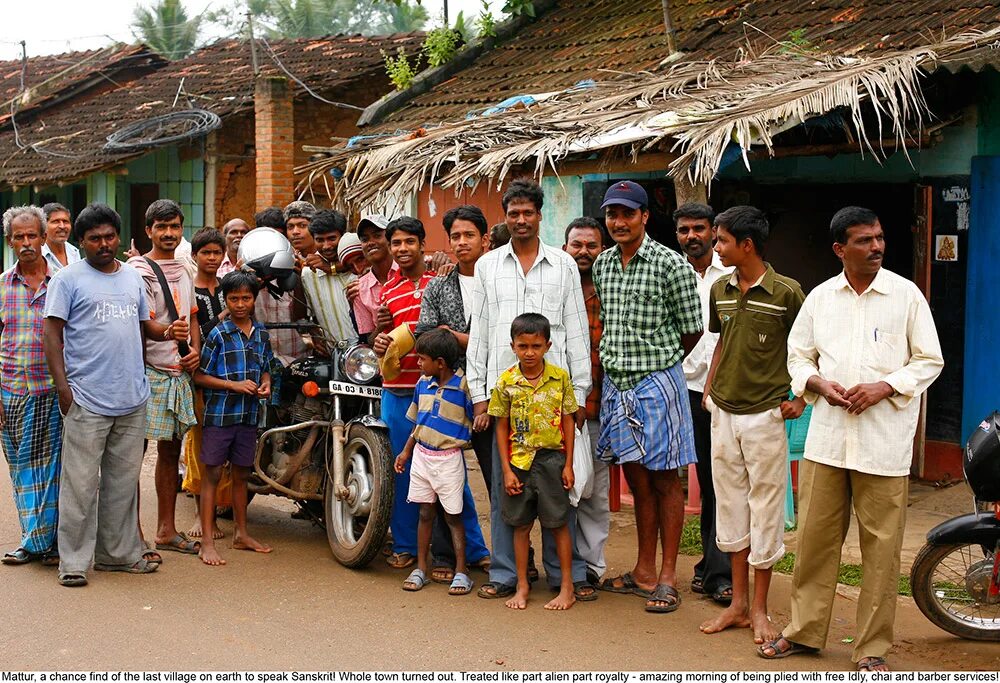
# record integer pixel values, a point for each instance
(298, 609)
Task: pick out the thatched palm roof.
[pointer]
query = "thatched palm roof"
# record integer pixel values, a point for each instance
(694, 109)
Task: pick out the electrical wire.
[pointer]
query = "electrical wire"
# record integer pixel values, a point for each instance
(309, 90)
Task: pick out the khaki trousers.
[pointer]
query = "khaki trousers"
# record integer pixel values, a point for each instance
(824, 518)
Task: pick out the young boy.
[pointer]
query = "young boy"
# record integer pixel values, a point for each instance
(208, 248)
(234, 373)
(441, 412)
(746, 391)
(534, 405)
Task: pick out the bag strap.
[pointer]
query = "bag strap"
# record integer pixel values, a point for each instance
(165, 287)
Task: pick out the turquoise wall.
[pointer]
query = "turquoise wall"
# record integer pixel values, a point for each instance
(563, 203)
(180, 180)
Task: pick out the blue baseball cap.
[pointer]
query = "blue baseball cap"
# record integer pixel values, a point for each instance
(627, 194)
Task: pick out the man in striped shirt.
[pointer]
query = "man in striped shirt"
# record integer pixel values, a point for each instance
(326, 290)
(402, 295)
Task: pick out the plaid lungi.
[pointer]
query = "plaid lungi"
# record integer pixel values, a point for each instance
(32, 443)
(649, 424)
(170, 409)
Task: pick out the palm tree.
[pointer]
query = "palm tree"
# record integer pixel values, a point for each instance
(166, 28)
(403, 17)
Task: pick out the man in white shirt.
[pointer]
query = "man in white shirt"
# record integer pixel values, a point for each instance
(696, 236)
(325, 288)
(525, 276)
(865, 343)
(56, 250)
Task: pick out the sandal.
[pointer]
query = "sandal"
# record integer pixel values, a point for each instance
(491, 590)
(780, 653)
(19, 556)
(401, 560)
(73, 579)
(460, 585)
(180, 544)
(626, 585)
(415, 581)
(140, 567)
(152, 557)
(584, 591)
(871, 664)
(483, 564)
(50, 558)
(442, 574)
(724, 595)
(698, 585)
(663, 594)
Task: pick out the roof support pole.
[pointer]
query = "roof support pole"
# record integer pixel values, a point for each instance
(668, 24)
(685, 191)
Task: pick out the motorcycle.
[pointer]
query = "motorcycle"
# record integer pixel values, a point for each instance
(955, 576)
(325, 446)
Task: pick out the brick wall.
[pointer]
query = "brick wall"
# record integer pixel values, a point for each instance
(275, 141)
(236, 173)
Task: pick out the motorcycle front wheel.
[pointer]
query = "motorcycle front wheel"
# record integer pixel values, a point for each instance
(356, 526)
(951, 587)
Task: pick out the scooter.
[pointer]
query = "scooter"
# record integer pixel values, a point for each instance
(955, 578)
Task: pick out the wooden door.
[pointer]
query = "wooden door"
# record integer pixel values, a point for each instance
(141, 195)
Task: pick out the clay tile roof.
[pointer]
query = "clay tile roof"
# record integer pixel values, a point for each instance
(583, 39)
(68, 137)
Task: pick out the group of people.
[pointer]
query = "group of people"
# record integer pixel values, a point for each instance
(658, 359)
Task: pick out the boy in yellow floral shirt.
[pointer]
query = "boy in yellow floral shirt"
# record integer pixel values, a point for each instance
(534, 405)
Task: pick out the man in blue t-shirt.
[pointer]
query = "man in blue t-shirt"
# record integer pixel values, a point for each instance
(93, 335)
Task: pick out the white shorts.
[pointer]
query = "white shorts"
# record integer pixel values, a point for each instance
(750, 471)
(437, 475)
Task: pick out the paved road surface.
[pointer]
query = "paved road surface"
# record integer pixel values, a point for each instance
(298, 609)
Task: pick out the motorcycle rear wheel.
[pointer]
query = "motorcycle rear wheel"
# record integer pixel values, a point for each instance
(940, 579)
(356, 527)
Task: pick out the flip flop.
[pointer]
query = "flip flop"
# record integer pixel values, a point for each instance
(19, 556)
(584, 591)
(460, 585)
(180, 544)
(415, 581)
(140, 567)
(792, 649)
(869, 664)
(724, 595)
(663, 593)
(698, 585)
(628, 586)
(492, 590)
(401, 560)
(50, 558)
(73, 579)
(483, 564)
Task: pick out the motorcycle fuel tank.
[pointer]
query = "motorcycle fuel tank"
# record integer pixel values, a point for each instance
(310, 369)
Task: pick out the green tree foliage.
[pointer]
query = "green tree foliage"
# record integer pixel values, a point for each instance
(166, 28)
(316, 18)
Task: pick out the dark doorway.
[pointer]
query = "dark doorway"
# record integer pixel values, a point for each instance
(141, 195)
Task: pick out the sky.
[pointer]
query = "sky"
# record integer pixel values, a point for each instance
(55, 26)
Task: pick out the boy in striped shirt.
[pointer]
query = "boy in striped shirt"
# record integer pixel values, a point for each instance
(441, 412)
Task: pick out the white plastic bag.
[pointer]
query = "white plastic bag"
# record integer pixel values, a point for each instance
(583, 467)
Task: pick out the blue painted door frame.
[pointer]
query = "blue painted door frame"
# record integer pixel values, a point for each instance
(982, 302)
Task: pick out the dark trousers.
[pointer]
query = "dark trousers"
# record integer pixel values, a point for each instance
(442, 550)
(713, 568)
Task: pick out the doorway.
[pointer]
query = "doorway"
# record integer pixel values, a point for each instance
(141, 195)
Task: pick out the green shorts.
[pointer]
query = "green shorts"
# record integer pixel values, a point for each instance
(542, 496)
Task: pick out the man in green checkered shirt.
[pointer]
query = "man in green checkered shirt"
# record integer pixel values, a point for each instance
(652, 318)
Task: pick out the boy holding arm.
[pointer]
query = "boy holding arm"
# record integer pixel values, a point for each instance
(534, 405)
(235, 359)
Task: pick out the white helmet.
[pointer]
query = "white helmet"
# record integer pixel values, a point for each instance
(270, 256)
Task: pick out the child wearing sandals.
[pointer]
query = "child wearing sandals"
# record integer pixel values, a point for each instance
(441, 412)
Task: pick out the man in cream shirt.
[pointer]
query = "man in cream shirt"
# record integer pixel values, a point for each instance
(865, 343)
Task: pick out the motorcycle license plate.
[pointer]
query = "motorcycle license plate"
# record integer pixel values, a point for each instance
(346, 389)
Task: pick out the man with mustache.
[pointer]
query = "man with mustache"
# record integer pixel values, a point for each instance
(696, 236)
(371, 232)
(584, 241)
(866, 344)
(233, 231)
(172, 354)
(92, 335)
(56, 250)
(29, 412)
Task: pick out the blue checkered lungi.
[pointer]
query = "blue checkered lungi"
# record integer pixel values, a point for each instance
(649, 424)
(170, 408)
(32, 443)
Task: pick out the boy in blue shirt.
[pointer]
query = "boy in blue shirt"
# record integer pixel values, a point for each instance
(441, 412)
(234, 374)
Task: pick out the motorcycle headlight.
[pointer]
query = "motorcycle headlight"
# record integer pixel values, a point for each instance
(360, 364)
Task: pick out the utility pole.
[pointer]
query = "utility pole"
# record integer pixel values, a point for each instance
(669, 24)
(253, 45)
(446, 24)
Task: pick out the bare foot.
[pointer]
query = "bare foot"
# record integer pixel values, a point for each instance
(210, 556)
(563, 601)
(731, 617)
(250, 543)
(195, 530)
(519, 601)
(763, 630)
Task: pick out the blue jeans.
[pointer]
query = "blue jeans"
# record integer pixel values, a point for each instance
(503, 570)
(406, 515)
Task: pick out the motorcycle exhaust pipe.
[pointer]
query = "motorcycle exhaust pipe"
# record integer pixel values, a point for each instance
(262, 443)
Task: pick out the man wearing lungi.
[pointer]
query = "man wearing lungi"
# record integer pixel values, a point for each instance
(652, 318)
(29, 415)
